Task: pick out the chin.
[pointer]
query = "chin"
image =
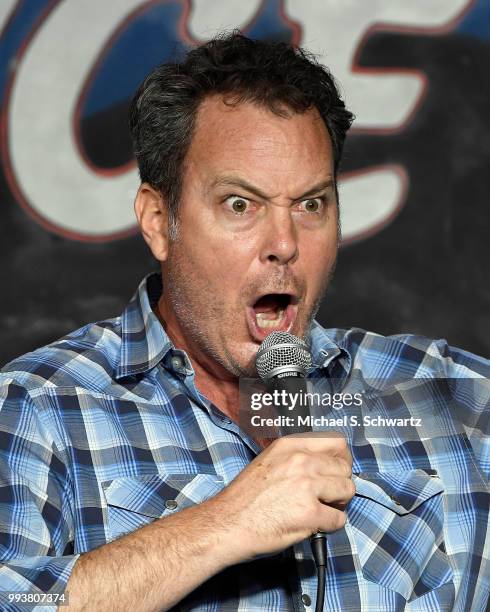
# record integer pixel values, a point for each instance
(241, 361)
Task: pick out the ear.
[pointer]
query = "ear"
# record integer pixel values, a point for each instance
(152, 214)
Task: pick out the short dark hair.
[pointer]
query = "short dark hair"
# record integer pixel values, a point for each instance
(276, 75)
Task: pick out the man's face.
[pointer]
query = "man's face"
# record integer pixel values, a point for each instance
(257, 235)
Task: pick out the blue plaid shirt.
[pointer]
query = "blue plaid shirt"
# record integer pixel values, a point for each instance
(100, 429)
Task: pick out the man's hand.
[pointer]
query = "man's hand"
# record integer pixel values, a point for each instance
(300, 484)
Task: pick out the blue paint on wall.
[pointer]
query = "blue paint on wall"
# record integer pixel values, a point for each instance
(477, 22)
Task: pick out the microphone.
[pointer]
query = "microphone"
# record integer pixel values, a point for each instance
(282, 362)
(282, 355)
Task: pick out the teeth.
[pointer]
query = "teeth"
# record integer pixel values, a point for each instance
(267, 323)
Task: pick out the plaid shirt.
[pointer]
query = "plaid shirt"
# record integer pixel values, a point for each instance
(102, 428)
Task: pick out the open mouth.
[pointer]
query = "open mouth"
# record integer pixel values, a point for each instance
(271, 312)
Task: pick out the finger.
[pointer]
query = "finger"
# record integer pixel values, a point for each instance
(328, 519)
(331, 490)
(330, 442)
(326, 465)
(305, 464)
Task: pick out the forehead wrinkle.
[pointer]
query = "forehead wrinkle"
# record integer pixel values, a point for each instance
(215, 128)
(236, 181)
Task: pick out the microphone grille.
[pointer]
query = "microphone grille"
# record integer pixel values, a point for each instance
(281, 352)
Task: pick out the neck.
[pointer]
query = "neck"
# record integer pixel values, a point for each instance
(211, 378)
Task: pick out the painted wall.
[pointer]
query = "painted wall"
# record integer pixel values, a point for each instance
(415, 181)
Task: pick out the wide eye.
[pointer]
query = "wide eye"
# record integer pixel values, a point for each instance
(312, 205)
(237, 204)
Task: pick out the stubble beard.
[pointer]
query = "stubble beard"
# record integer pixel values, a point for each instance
(186, 291)
(184, 296)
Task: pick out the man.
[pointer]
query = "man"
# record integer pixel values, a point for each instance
(127, 481)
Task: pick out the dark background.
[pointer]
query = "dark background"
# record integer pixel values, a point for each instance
(426, 273)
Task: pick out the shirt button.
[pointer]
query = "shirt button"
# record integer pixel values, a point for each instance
(171, 504)
(176, 362)
(306, 599)
(394, 499)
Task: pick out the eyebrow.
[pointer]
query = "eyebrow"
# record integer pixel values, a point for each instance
(235, 181)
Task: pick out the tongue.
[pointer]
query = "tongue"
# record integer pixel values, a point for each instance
(268, 303)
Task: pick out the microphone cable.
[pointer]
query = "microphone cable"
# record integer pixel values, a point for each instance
(282, 362)
(318, 543)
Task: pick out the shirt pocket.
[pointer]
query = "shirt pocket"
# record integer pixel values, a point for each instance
(397, 522)
(135, 501)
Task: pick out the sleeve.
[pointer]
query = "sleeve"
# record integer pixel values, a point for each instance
(468, 377)
(36, 526)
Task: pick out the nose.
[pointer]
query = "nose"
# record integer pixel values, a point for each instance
(280, 242)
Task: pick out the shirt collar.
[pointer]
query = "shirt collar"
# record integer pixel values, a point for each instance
(324, 349)
(145, 343)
